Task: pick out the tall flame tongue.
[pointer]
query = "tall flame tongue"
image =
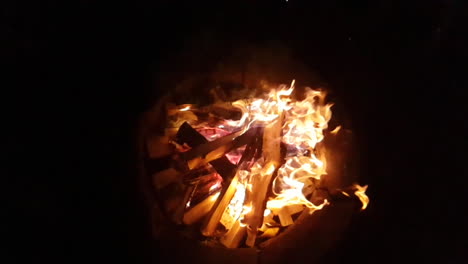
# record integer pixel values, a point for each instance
(302, 128)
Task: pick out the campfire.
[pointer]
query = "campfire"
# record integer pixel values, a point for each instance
(238, 173)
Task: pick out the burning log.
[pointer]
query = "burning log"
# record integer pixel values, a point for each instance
(285, 213)
(270, 232)
(200, 210)
(202, 184)
(178, 214)
(195, 175)
(261, 182)
(206, 187)
(234, 236)
(213, 220)
(190, 136)
(227, 193)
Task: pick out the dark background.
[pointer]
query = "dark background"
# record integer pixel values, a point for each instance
(84, 71)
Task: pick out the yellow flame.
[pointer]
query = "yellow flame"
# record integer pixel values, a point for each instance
(303, 123)
(185, 108)
(336, 130)
(361, 194)
(215, 186)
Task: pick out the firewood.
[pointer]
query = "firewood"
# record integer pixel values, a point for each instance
(190, 136)
(187, 134)
(206, 187)
(214, 150)
(196, 213)
(285, 213)
(195, 175)
(178, 214)
(261, 182)
(233, 140)
(251, 153)
(211, 156)
(213, 221)
(234, 236)
(270, 232)
(285, 217)
(224, 111)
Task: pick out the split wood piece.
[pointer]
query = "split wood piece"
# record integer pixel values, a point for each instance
(233, 140)
(223, 111)
(220, 207)
(285, 213)
(189, 135)
(159, 146)
(166, 177)
(268, 222)
(217, 149)
(178, 215)
(195, 175)
(234, 236)
(200, 210)
(261, 183)
(251, 152)
(270, 232)
(206, 188)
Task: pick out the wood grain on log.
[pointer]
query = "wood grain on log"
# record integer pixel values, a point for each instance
(215, 217)
(261, 182)
(200, 210)
(190, 136)
(234, 236)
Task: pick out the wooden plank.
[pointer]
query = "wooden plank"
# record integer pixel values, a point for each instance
(261, 182)
(200, 210)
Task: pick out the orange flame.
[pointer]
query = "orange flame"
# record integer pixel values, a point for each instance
(361, 194)
(302, 129)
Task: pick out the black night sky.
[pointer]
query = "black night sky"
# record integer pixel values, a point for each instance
(84, 71)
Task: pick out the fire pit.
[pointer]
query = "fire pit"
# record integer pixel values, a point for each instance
(257, 177)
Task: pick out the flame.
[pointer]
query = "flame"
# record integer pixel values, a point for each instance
(336, 130)
(302, 130)
(361, 194)
(185, 108)
(215, 186)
